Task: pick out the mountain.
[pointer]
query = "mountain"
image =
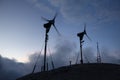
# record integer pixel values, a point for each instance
(92, 71)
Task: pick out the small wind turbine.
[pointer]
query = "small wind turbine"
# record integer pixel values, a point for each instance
(47, 26)
(81, 35)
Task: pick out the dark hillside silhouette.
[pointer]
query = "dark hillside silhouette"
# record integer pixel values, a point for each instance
(79, 72)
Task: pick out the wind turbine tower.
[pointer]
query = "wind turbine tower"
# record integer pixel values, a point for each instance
(47, 26)
(81, 35)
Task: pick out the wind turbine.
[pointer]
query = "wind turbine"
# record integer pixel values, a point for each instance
(47, 26)
(81, 35)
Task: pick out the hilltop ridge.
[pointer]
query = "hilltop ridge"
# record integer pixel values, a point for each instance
(92, 71)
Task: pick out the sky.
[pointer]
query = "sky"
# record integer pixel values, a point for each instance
(22, 31)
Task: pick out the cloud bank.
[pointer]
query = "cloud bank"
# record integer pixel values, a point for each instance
(65, 52)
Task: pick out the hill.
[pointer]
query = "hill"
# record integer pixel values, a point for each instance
(78, 72)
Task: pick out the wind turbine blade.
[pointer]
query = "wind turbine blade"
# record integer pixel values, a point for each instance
(86, 32)
(85, 26)
(55, 16)
(56, 30)
(88, 37)
(45, 19)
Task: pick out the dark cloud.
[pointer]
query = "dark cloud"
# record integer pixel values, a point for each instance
(10, 69)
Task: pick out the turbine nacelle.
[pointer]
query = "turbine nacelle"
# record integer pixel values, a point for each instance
(50, 23)
(81, 34)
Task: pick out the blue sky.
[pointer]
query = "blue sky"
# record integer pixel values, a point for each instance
(22, 32)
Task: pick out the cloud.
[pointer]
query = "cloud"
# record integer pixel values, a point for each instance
(42, 5)
(64, 52)
(110, 56)
(88, 10)
(61, 56)
(89, 55)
